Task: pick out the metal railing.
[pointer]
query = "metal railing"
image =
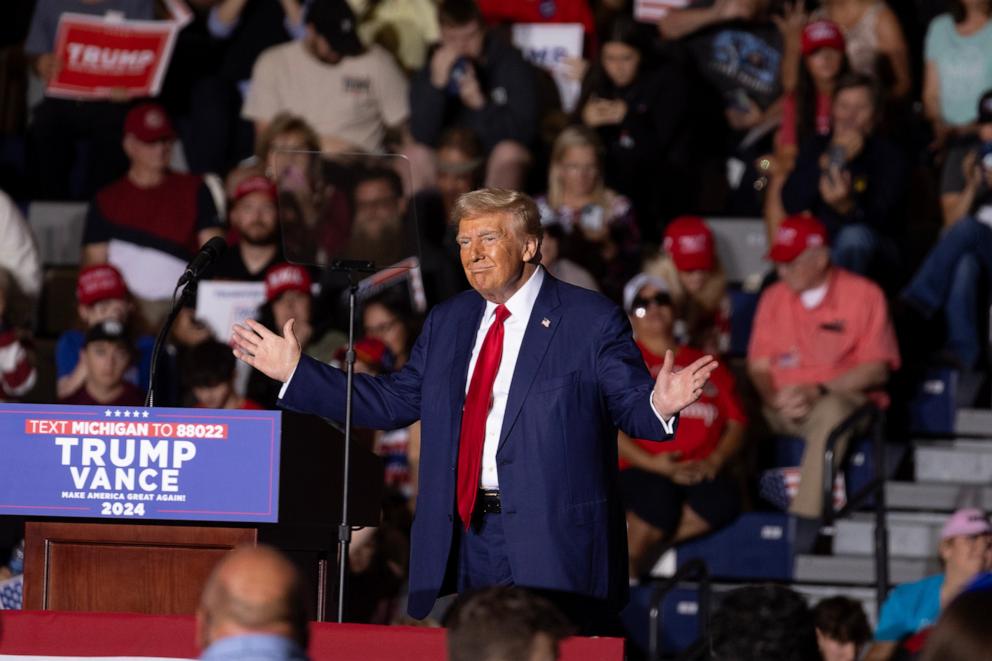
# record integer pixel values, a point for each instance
(871, 417)
(693, 570)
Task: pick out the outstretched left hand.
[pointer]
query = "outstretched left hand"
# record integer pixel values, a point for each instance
(676, 389)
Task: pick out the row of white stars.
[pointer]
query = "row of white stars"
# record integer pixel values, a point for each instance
(116, 413)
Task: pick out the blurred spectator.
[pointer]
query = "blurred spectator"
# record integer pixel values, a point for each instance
(314, 213)
(351, 95)
(821, 346)
(377, 567)
(101, 295)
(399, 448)
(405, 28)
(965, 545)
(561, 267)
(388, 318)
(874, 41)
(820, 61)
(19, 257)
(854, 180)
(378, 231)
(501, 623)
(962, 633)
(698, 286)
(459, 163)
(237, 32)
(253, 216)
(253, 607)
(384, 231)
(106, 355)
(738, 49)
(639, 113)
(677, 490)
(210, 377)
(600, 232)
(958, 70)
(813, 61)
(842, 629)
(474, 78)
(288, 297)
(58, 125)
(17, 371)
(949, 280)
(152, 221)
(762, 622)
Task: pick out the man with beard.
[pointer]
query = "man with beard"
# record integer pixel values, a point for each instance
(383, 233)
(253, 215)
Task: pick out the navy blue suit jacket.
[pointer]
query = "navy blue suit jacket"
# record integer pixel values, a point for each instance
(579, 376)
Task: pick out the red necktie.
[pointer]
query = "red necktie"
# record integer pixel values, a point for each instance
(478, 401)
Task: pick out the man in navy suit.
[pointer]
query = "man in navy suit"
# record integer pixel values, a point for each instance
(520, 387)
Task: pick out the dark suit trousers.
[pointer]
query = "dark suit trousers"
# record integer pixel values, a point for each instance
(483, 562)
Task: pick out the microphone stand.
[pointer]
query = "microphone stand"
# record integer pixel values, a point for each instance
(163, 333)
(350, 267)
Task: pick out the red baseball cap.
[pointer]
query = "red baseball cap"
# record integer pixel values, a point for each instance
(149, 122)
(822, 34)
(689, 241)
(285, 277)
(794, 236)
(100, 283)
(256, 183)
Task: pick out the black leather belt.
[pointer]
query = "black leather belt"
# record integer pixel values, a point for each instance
(488, 502)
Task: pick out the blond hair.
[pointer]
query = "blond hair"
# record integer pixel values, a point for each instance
(491, 201)
(574, 136)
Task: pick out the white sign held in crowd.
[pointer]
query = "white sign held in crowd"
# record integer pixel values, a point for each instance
(221, 304)
(550, 46)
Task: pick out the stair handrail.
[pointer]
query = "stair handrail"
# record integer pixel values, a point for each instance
(875, 487)
(694, 569)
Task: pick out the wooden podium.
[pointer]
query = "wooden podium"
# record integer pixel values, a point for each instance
(156, 568)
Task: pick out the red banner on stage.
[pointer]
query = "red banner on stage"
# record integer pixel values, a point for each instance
(98, 55)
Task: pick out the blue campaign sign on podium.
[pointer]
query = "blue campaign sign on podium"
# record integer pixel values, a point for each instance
(139, 463)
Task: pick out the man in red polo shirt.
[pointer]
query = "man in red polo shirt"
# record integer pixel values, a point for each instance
(150, 222)
(822, 345)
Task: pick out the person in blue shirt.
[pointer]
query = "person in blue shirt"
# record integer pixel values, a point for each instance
(965, 551)
(252, 609)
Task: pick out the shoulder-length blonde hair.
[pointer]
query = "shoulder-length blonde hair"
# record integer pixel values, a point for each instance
(574, 136)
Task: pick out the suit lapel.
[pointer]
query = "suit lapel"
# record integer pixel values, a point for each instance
(468, 327)
(541, 329)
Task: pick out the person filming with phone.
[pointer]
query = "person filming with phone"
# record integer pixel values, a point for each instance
(853, 179)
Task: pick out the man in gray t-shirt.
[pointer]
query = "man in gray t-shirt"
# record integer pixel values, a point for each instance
(58, 124)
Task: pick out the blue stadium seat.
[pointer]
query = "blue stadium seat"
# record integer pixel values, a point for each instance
(757, 546)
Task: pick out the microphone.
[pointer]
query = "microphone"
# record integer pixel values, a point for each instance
(210, 251)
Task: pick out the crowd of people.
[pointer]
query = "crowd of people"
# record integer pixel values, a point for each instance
(314, 132)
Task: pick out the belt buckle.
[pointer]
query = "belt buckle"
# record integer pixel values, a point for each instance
(489, 502)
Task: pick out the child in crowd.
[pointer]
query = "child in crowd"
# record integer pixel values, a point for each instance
(106, 356)
(17, 371)
(842, 628)
(101, 295)
(210, 377)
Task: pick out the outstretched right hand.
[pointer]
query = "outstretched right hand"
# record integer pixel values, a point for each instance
(271, 354)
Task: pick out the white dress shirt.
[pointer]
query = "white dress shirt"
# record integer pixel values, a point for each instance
(520, 305)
